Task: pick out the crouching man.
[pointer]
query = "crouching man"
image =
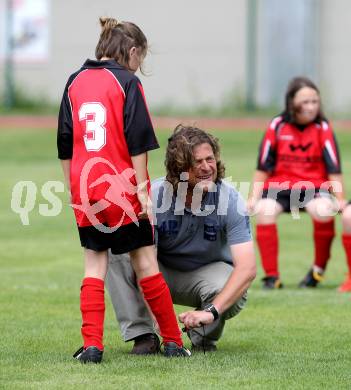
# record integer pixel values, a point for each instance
(204, 247)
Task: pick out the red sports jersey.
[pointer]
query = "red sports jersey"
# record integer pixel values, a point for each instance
(103, 121)
(291, 154)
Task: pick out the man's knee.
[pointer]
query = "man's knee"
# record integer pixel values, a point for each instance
(213, 278)
(236, 308)
(233, 310)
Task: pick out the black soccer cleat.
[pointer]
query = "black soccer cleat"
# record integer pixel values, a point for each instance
(271, 283)
(173, 350)
(311, 280)
(89, 355)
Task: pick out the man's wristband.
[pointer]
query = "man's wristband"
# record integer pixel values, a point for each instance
(210, 308)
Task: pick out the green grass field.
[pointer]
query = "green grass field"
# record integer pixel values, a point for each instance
(292, 339)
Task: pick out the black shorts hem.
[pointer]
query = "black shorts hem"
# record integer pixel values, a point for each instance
(125, 239)
(289, 199)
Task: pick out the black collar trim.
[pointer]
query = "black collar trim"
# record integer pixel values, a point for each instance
(109, 64)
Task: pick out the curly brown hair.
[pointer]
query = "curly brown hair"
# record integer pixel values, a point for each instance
(180, 156)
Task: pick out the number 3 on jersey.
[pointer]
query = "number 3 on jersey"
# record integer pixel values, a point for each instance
(94, 115)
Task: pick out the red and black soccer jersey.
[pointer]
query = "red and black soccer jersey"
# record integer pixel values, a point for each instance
(290, 154)
(103, 121)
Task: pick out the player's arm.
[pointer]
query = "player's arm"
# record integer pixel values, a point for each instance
(337, 187)
(332, 162)
(66, 167)
(265, 164)
(140, 138)
(258, 180)
(140, 167)
(65, 136)
(138, 130)
(238, 282)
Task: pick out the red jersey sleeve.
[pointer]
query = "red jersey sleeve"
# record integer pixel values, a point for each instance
(138, 129)
(330, 149)
(267, 151)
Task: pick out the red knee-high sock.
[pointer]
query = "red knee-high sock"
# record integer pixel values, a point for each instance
(346, 241)
(323, 235)
(267, 240)
(92, 306)
(158, 296)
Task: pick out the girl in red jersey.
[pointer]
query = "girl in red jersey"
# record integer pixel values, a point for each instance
(298, 168)
(104, 134)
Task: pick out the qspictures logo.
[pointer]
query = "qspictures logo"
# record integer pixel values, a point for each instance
(119, 189)
(119, 185)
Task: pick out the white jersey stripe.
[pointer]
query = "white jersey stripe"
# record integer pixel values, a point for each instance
(124, 94)
(331, 152)
(274, 122)
(265, 151)
(70, 88)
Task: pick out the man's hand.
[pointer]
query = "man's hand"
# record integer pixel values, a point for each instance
(196, 318)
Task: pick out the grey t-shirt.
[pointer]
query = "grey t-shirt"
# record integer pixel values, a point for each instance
(187, 239)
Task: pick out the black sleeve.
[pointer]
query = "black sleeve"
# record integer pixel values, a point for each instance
(331, 154)
(266, 160)
(267, 155)
(138, 129)
(65, 128)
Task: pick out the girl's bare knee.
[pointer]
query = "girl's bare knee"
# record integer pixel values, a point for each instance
(267, 211)
(321, 209)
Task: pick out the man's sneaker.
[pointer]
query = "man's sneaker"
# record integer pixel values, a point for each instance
(146, 344)
(173, 350)
(89, 355)
(204, 348)
(311, 280)
(346, 285)
(271, 283)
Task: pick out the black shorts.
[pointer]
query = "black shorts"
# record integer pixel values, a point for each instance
(295, 199)
(125, 239)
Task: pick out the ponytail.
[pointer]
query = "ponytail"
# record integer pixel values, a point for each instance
(108, 23)
(117, 38)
